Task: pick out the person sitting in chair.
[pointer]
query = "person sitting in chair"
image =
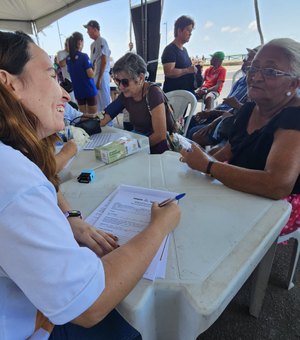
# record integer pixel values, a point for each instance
(212, 127)
(144, 101)
(262, 154)
(214, 78)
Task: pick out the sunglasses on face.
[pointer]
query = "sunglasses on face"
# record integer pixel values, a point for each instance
(124, 82)
(267, 72)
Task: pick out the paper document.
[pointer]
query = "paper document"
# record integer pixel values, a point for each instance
(126, 212)
(100, 139)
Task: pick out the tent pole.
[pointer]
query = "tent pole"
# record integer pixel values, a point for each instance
(59, 34)
(146, 32)
(130, 27)
(35, 32)
(143, 29)
(258, 22)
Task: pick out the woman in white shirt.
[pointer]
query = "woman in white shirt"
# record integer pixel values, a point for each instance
(46, 278)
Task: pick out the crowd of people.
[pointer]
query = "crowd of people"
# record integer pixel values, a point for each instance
(61, 277)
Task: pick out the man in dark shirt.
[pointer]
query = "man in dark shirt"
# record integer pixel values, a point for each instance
(178, 69)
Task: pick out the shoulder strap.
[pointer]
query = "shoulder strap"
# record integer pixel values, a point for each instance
(166, 100)
(171, 122)
(147, 96)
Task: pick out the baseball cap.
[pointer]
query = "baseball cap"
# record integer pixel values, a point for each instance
(93, 24)
(253, 50)
(219, 55)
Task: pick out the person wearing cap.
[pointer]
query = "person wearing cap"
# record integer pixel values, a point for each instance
(178, 69)
(214, 78)
(100, 57)
(208, 127)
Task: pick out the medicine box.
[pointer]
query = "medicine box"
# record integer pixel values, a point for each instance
(116, 150)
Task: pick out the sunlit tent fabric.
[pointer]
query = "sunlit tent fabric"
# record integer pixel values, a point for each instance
(32, 16)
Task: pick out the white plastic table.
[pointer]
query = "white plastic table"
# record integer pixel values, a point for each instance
(222, 237)
(86, 159)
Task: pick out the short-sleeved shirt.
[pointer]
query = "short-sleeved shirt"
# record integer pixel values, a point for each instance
(98, 48)
(84, 87)
(239, 91)
(251, 151)
(213, 75)
(173, 54)
(72, 115)
(139, 114)
(41, 265)
(62, 55)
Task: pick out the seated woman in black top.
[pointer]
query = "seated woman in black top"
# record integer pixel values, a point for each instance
(264, 147)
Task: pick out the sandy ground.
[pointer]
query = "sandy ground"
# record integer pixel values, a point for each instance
(280, 315)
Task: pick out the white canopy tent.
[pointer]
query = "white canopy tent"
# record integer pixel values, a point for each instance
(32, 16)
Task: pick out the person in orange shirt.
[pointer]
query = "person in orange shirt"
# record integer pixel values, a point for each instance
(214, 77)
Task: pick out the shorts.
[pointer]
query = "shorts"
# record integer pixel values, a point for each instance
(213, 95)
(89, 101)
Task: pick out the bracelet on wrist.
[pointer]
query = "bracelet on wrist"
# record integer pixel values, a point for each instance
(209, 166)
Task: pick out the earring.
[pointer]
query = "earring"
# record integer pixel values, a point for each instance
(289, 93)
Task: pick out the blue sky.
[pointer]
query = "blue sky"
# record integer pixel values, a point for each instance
(227, 25)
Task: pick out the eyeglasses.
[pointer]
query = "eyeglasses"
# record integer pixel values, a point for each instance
(124, 82)
(267, 72)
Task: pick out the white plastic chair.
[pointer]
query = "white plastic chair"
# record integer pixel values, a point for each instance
(236, 76)
(184, 103)
(295, 256)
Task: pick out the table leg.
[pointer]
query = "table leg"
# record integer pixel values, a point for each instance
(260, 280)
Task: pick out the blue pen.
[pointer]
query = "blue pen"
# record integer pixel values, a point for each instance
(69, 133)
(169, 200)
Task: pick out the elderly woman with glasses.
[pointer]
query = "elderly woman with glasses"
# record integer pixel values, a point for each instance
(144, 101)
(262, 155)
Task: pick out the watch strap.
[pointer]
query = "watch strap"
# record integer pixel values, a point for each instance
(73, 213)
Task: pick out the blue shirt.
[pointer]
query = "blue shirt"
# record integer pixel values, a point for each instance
(239, 91)
(84, 87)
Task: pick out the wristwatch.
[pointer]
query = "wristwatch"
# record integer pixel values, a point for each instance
(73, 213)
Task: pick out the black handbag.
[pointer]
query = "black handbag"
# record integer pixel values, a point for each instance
(90, 126)
(67, 85)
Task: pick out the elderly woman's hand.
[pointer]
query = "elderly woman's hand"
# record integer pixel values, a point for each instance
(195, 158)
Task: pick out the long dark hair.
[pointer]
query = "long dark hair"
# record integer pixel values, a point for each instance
(73, 44)
(18, 125)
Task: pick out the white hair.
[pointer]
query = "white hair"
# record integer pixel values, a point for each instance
(291, 49)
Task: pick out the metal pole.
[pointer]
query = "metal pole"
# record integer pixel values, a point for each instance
(258, 22)
(130, 27)
(146, 31)
(59, 34)
(165, 23)
(143, 29)
(35, 32)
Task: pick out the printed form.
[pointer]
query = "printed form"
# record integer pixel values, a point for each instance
(126, 212)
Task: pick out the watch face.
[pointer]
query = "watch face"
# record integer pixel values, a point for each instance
(73, 213)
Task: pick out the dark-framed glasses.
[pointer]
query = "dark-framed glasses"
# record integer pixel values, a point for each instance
(124, 82)
(267, 72)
